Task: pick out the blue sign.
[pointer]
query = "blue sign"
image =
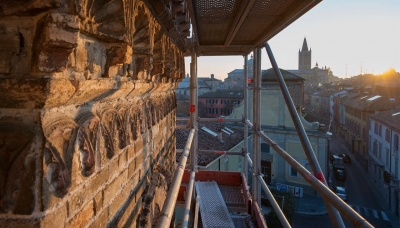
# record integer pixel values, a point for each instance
(281, 187)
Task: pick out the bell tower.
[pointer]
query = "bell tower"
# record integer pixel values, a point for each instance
(305, 57)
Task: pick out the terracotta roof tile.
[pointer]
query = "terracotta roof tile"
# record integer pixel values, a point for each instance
(207, 141)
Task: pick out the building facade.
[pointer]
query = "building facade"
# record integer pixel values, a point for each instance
(383, 153)
(204, 85)
(219, 103)
(356, 111)
(235, 77)
(277, 124)
(87, 111)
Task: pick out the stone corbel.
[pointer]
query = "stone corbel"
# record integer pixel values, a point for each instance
(57, 36)
(117, 55)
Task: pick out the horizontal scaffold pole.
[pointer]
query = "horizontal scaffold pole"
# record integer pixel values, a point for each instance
(219, 152)
(220, 120)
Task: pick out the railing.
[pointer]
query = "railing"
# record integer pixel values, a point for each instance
(169, 205)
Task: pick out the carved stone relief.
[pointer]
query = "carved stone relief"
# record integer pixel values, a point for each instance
(103, 19)
(17, 169)
(124, 128)
(87, 143)
(111, 132)
(58, 154)
(148, 110)
(134, 123)
(23, 7)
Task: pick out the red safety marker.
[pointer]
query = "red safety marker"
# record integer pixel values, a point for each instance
(309, 176)
(192, 108)
(320, 177)
(249, 80)
(220, 119)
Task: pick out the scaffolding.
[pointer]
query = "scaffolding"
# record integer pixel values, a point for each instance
(202, 199)
(333, 203)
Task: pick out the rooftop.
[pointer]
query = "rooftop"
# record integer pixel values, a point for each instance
(371, 102)
(208, 142)
(238, 94)
(390, 118)
(269, 75)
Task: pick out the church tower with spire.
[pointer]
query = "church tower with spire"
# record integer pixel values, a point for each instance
(305, 57)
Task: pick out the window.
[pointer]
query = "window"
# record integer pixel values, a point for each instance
(396, 142)
(370, 141)
(364, 134)
(375, 148)
(209, 111)
(376, 128)
(380, 151)
(215, 111)
(387, 135)
(307, 165)
(264, 171)
(292, 171)
(265, 148)
(184, 92)
(380, 130)
(387, 156)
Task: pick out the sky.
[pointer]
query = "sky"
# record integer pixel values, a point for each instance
(345, 35)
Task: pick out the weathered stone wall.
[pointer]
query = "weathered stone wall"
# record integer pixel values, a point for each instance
(87, 110)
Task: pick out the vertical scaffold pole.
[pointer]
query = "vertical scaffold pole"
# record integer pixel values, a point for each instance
(308, 150)
(246, 130)
(193, 105)
(256, 187)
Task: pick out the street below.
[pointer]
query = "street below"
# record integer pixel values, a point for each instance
(361, 196)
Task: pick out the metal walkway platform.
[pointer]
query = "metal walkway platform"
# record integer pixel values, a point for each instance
(233, 197)
(213, 210)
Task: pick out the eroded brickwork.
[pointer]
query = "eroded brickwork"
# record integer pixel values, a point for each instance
(87, 110)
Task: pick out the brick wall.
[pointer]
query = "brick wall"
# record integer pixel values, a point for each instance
(87, 113)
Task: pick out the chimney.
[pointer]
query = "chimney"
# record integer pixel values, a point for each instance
(212, 75)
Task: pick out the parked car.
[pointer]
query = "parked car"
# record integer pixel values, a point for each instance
(333, 157)
(346, 157)
(340, 174)
(341, 192)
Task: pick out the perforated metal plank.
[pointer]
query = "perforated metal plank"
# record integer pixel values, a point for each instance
(232, 194)
(213, 210)
(244, 221)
